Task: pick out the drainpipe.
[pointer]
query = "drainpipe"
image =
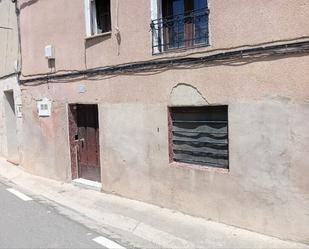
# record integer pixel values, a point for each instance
(19, 60)
(18, 69)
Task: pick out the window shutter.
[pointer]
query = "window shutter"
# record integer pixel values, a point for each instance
(155, 14)
(93, 18)
(199, 135)
(87, 17)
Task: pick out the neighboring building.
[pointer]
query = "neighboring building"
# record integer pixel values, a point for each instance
(10, 95)
(195, 106)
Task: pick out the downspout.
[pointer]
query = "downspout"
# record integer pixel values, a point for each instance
(18, 70)
(117, 33)
(19, 60)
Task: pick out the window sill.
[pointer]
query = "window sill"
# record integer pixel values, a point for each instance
(198, 167)
(98, 35)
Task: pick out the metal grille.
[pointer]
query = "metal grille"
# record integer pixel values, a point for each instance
(186, 30)
(199, 135)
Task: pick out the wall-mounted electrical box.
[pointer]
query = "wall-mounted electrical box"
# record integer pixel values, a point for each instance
(49, 52)
(44, 107)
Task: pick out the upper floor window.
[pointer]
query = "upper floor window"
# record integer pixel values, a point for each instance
(179, 24)
(98, 16)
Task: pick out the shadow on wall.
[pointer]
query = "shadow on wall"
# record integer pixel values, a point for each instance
(96, 40)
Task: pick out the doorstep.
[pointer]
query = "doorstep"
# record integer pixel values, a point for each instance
(84, 183)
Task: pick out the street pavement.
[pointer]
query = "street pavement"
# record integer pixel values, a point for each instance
(26, 223)
(63, 215)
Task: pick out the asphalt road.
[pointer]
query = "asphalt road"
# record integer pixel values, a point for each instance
(31, 224)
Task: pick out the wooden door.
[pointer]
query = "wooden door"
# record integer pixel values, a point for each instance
(88, 142)
(173, 14)
(185, 23)
(179, 18)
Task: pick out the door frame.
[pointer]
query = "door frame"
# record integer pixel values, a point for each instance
(72, 128)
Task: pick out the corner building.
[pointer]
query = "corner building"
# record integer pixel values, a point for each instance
(194, 105)
(10, 94)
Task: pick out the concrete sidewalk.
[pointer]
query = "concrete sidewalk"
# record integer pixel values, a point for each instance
(142, 225)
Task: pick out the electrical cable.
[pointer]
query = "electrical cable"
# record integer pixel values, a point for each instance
(282, 49)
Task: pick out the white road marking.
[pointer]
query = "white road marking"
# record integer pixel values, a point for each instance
(19, 194)
(107, 243)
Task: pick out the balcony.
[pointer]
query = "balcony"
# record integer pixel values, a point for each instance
(182, 31)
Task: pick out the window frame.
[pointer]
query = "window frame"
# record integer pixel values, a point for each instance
(196, 166)
(158, 36)
(91, 19)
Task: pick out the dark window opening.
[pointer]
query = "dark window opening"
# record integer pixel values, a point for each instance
(199, 135)
(184, 24)
(102, 12)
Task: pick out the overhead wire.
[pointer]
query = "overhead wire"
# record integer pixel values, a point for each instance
(186, 62)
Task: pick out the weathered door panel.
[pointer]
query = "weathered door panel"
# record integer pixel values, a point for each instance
(88, 142)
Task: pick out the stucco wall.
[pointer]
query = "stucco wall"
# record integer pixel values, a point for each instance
(233, 23)
(266, 189)
(8, 37)
(45, 140)
(10, 127)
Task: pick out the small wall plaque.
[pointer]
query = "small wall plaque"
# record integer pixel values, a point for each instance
(19, 113)
(82, 89)
(44, 107)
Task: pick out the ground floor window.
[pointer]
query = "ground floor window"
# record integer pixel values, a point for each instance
(199, 135)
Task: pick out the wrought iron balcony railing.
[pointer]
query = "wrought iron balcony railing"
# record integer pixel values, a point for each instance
(186, 30)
